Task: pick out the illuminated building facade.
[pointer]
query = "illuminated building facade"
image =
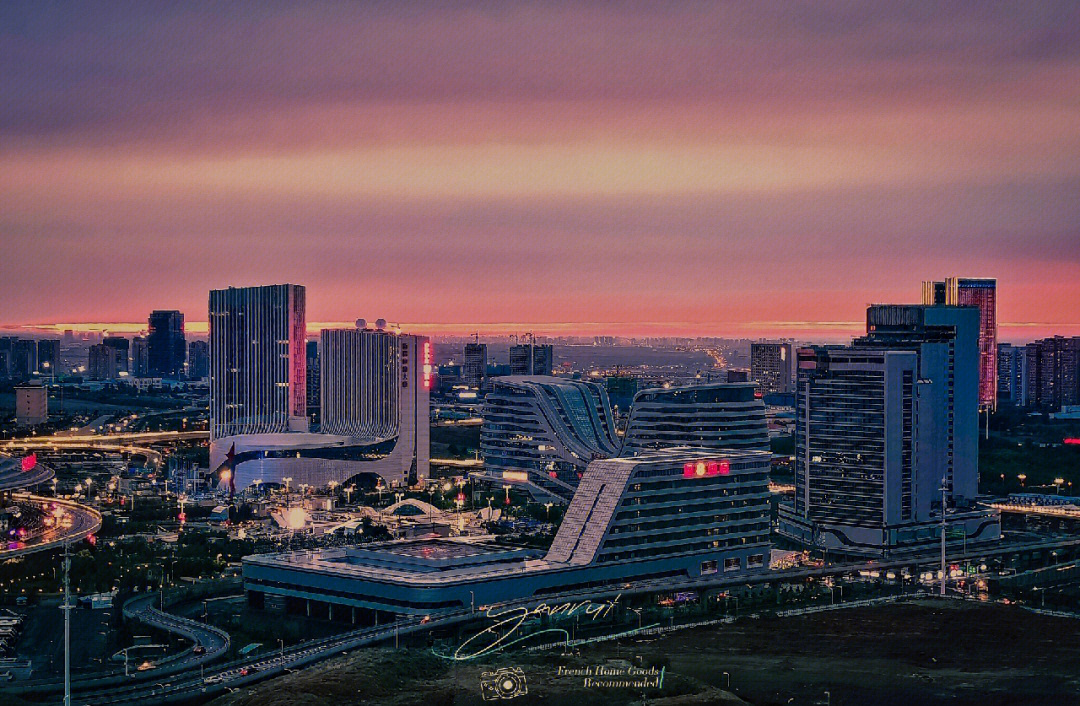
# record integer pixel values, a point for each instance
(257, 366)
(981, 293)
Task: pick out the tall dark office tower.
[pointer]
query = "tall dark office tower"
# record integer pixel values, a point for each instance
(982, 293)
(531, 359)
(6, 345)
(772, 366)
(23, 358)
(258, 370)
(103, 362)
(48, 355)
(314, 383)
(122, 347)
(166, 347)
(475, 368)
(140, 357)
(198, 360)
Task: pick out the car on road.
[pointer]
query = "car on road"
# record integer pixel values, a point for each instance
(215, 679)
(146, 666)
(198, 650)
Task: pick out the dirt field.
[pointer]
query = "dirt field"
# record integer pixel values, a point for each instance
(915, 654)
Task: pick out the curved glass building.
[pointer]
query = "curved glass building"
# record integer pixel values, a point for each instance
(542, 431)
(711, 416)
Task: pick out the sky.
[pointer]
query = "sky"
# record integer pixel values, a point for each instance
(709, 168)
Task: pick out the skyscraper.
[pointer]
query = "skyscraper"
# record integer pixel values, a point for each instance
(1012, 375)
(982, 293)
(1053, 373)
(946, 341)
(166, 347)
(531, 359)
(140, 357)
(198, 360)
(103, 362)
(23, 358)
(121, 346)
(48, 355)
(475, 368)
(880, 424)
(772, 367)
(257, 364)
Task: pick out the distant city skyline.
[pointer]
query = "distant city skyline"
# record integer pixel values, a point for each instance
(675, 168)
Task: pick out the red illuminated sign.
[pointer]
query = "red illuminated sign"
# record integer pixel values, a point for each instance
(1072, 440)
(705, 469)
(29, 462)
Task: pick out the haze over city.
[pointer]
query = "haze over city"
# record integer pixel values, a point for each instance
(701, 169)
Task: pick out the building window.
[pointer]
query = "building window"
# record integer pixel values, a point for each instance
(755, 561)
(732, 564)
(709, 567)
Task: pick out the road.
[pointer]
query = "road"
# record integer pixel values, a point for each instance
(75, 523)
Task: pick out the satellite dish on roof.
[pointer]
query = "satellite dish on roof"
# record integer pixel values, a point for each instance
(361, 323)
(380, 324)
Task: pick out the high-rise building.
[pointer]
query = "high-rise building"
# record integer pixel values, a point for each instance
(257, 363)
(880, 425)
(474, 369)
(711, 416)
(48, 355)
(981, 293)
(541, 432)
(103, 362)
(121, 345)
(946, 339)
(23, 358)
(1053, 373)
(374, 407)
(772, 367)
(31, 405)
(1012, 375)
(166, 346)
(140, 357)
(198, 360)
(376, 386)
(531, 359)
(314, 383)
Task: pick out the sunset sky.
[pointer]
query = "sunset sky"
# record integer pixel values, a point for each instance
(704, 168)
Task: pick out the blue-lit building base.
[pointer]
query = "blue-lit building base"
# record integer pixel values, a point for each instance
(913, 538)
(429, 576)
